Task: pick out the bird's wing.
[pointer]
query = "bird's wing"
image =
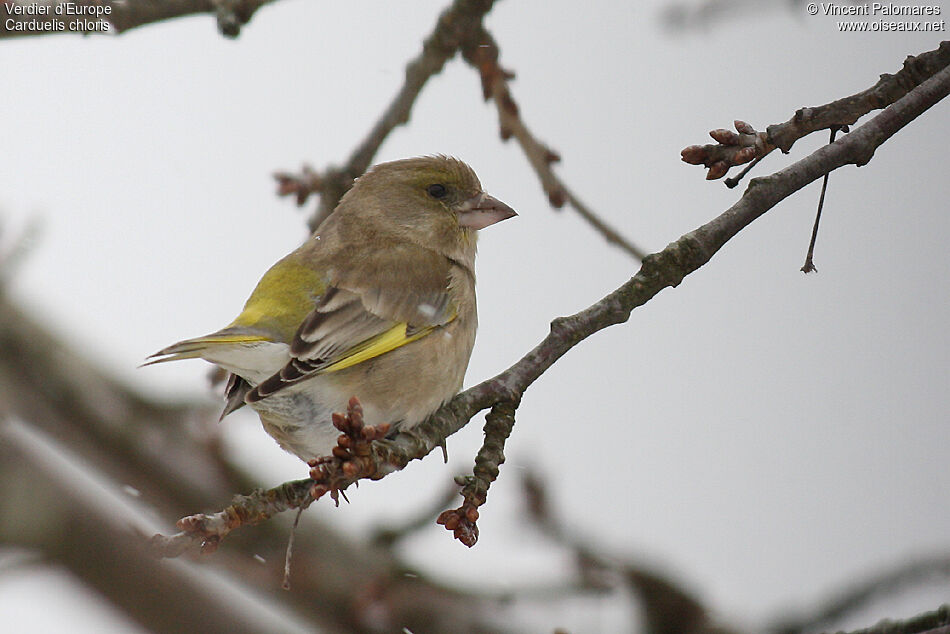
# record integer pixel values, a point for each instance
(374, 307)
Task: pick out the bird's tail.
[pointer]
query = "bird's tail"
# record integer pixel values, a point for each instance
(203, 347)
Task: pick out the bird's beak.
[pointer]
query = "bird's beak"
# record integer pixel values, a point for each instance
(482, 210)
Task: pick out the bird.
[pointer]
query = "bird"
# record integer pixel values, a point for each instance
(378, 304)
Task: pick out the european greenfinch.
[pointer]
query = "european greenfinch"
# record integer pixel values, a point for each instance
(378, 304)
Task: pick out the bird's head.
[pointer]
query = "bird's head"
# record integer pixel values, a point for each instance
(436, 201)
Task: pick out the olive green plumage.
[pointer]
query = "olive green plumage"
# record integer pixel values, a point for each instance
(378, 304)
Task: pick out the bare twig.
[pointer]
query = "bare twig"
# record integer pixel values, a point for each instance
(666, 268)
(846, 111)
(482, 53)
(117, 16)
(459, 28)
(731, 183)
(300, 185)
(462, 521)
(207, 531)
(732, 150)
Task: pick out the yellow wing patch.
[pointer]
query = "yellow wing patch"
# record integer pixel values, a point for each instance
(395, 337)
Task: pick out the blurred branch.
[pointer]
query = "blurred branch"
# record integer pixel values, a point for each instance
(390, 533)
(482, 53)
(666, 268)
(13, 255)
(165, 452)
(21, 18)
(683, 16)
(74, 527)
(936, 622)
(47, 383)
(853, 599)
(668, 608)
(735, 149)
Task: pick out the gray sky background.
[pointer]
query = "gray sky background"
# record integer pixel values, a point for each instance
(766, 436)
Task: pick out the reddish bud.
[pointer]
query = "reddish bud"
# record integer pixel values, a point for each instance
(339, 421)
(694, 154)
(468, 535)
(717, 170)
(745, 155)
(726, 137)
(449, 519)
(743, 127)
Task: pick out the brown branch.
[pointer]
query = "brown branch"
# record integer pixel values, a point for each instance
(666, 268)
(462, 521)
(207, 531)
(45, 17)
(482, 53)
(732, 149)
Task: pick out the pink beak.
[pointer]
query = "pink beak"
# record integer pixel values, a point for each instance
(482, 211)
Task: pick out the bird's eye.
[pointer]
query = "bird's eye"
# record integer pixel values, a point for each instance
(437, 191)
